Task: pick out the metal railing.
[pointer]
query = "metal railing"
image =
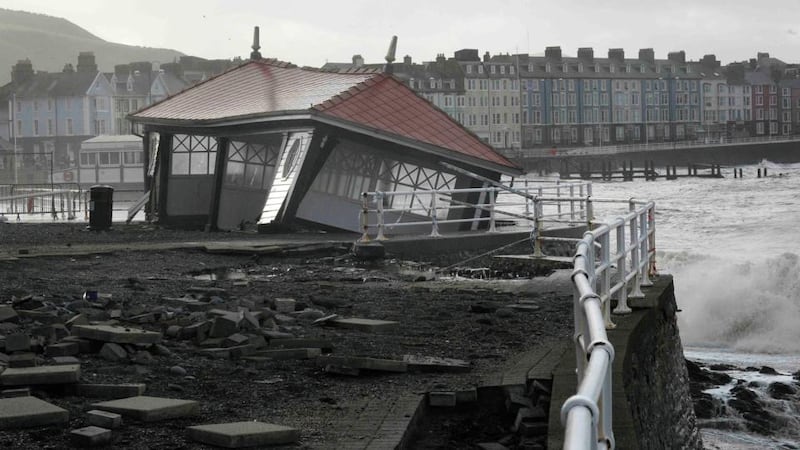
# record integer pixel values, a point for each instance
(533, 202)
(598, 149)
(59, 200)
(612, 258)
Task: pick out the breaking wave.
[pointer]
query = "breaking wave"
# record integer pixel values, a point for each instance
(751, 306)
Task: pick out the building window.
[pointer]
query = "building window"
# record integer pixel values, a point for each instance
(35, 127)
(547, 68)
(480, 69)
(69, 127)
(193, 155)
(469, 68)
(493, 69)
(503, 70)
(49, 127)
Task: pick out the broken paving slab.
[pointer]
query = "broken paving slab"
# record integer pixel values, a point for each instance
(368, 325)
(435, 364)
(29, 412)
(150, 409)
(323, 344)
(243, 434)
(26, 376)
(289, 353)
(91, 436)
(116, 334)
(356, 362)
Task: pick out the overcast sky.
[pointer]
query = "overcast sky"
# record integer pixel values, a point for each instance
(314, 32)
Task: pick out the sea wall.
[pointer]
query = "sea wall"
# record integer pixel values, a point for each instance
(651, 404)
(655, 378)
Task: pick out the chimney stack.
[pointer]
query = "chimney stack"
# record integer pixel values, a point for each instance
(679, 57)
(586, 54)
(647, 54)
(86, 63)
(553, 53)
(617, 54)
(22, 71)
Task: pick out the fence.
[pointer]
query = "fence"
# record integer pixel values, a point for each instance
(537, 202)
(625, 262)
(58, 202)
(62, 200)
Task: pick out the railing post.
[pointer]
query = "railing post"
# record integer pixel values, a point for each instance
(558, 197)
(589, 212)
(537, 228)
(381, 220)
(364, 217)
(652, 223)
(492, 227)
(644, 240)
(527, 201)
(605, 279)
(636, 290)
(432, 213)
(572, 202)
(622, 273)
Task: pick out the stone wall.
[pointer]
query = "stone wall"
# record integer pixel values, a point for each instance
(656, 380)
(651, 404)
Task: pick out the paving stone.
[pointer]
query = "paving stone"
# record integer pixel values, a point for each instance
(18, 342)
(65, 360)
(368, 325)
(113, 352)
(289, 353)
(113, 391)
(84, 345)
(324, 344)
(235, 339)
(8, 314)
(491, 446)
(434, 364)
(62, 349)
(19, 360)
(341, 370)
(25, 376)
(29, 412)
(116, 334)
(386, 365)
(104, 419)
(12, 393)
(78, 319)
(243, 434)
(150, 409)
(285, 305)
(441, 398)
(90, 436)
(226, 325)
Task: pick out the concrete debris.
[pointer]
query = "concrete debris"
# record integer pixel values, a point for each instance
(243, 434)
(27, 376)
(30, 412)
(150, 409)
(116, 334)
(104, 419)
(113, 352)
(91, 436)
(367, 325)
(435, 364)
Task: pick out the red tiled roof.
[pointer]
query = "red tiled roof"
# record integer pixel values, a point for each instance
(387, 105)
(374, 102)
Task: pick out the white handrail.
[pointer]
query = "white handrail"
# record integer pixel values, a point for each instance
(587, 414)
(541, 201)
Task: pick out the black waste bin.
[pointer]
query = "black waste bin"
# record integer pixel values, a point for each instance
(101, 202)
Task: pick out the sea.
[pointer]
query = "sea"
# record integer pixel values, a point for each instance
(733, 246)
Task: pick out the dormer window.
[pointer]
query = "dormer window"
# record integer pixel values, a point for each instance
(530, 67)
(503, 70)
(548, 67)
(565, 68)
(469, 68)
(597, 68)
(493, 69)
(511, 70)
(612, 69)
(580, 67)
(627, 68)
(129, 85)
(642, 68)
(480, 69)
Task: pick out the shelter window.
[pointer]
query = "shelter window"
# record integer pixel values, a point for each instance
(252, 164)
(193, 155)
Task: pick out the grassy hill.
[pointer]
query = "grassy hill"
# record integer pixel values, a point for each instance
(51, 42)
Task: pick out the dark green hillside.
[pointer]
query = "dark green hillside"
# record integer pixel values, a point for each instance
(50, 42)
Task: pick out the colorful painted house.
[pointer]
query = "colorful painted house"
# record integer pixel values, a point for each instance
(273, 143)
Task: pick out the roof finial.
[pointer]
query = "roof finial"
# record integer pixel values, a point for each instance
(255, 54)
(389, 68)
